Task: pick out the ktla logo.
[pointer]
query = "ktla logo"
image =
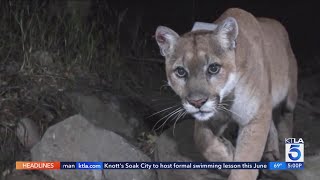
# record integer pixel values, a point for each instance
(294, 150)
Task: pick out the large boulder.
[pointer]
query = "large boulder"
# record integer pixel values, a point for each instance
(111, 115)
(76, 139)
(180, 147)
(25, 175)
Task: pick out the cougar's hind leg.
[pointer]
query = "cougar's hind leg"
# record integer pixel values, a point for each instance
(285, 125)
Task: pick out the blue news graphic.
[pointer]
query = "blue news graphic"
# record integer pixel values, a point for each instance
(277, 165)
(185, 165)
(295, 165)
(181, 165)
(89, 165)
(286, 166)
(294, 150)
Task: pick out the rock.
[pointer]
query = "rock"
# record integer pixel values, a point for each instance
(311, 169)
(181, 148)
(42, 57)
(277, 175)
(109, 115)
(76, 139)
(25, 175)
(28, 133)
(307, 127)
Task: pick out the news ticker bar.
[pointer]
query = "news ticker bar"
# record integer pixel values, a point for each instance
(32, 165)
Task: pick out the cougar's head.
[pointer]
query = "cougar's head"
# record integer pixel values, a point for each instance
(200, 66)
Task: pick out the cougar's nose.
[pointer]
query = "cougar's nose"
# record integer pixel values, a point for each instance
(197, 102)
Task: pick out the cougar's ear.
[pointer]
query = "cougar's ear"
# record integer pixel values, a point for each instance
(228, 32)
(166, 39)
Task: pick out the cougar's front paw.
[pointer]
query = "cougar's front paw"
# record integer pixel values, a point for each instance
(229, 148)
(220, 150)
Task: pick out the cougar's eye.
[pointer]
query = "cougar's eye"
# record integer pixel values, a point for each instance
(180, 72)
(214, 69)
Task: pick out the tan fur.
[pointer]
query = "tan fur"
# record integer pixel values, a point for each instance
(258, 72)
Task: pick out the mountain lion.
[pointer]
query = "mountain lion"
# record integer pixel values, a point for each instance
(243, 66)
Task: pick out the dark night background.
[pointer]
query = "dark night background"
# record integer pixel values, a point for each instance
(300, 18)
